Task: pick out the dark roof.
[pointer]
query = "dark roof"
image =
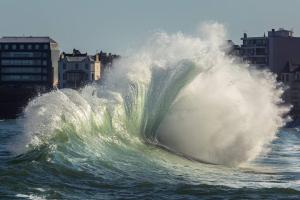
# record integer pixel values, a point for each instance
(29, 39)
(78, 58)
(253, 38)
(76, 53)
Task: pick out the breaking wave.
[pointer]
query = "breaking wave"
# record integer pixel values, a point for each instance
(180, 93)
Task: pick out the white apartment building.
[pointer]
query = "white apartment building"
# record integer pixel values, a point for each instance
(77, 69)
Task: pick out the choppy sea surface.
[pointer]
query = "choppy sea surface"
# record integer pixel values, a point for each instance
(145, 172)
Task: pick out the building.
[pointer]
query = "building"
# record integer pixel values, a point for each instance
(77, 69)
(232, 49)
(290, 76)
(272, 51)
(255, 50)
(283, 48)
(28, 61)
(279, 52)
(107, 59)
(28, 65)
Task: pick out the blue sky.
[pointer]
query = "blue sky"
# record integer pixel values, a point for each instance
(119, 25)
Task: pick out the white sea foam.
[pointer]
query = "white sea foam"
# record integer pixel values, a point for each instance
(182, 92)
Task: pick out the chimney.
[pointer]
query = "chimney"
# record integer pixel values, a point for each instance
(62, 55)
(97, 57)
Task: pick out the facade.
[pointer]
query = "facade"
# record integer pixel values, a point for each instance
(28, 65)
(28, 61)
(290, 76)
(255, 50)
(279, 52)
(77, 69)
(272, 51)
(283, 48)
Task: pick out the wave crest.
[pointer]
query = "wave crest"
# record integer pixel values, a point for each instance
(180, 92)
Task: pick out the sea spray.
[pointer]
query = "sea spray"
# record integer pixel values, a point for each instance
(179, 92)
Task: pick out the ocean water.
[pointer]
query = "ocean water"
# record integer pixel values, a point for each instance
(144, 172)
(178, 119)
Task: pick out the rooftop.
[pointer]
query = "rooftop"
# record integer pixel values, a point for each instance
(78, 59)
(28, 39)
(273, 33)
(75, 56)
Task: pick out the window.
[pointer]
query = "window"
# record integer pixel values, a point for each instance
(11, 54)
(44, 70)
(76, 66)
(45, 46)
(14, 47)
(250, 52)
(29, 46)
(76, 76)
(64, 66)
(44, 62)
(6, 46)
(260, 60)
(0, 46)
(21, 46)
(260, 42)
(20, 62)
(86, 66)
(37, 47)
(260, 51)
(21, 70)
(21, 77)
